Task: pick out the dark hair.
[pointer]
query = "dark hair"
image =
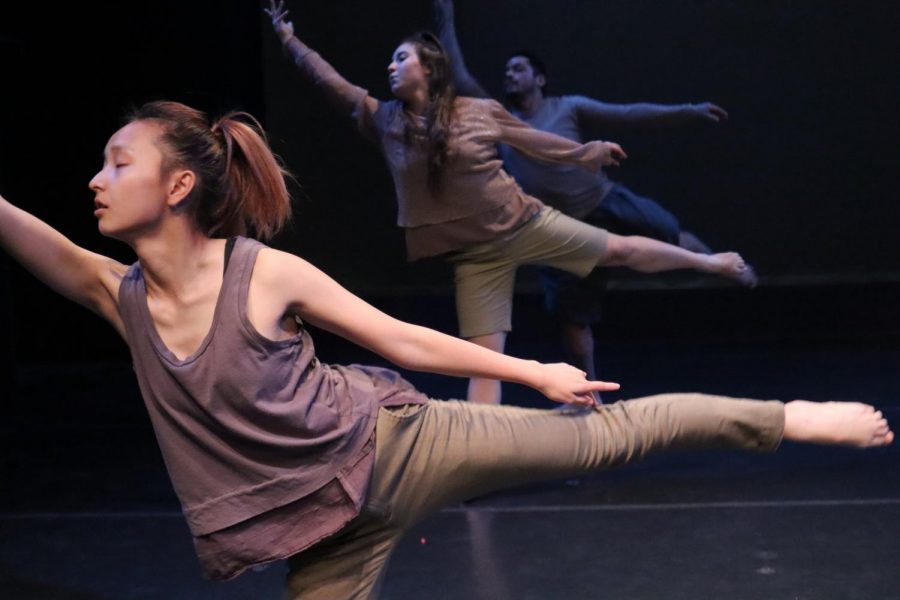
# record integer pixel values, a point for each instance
(240, 186)
(537, 65)
(441, 96)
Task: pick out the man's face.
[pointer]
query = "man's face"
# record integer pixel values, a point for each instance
(519, 77)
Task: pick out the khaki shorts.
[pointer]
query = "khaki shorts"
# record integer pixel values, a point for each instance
(486, 273)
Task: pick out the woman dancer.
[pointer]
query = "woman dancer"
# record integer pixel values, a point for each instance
(275, 455)
(455, 199)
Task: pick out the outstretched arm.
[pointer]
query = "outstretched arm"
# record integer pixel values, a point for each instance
(318, 299)
(344, 95)
(593, 112)
(82, 276)
(466, 84)
(549, 147)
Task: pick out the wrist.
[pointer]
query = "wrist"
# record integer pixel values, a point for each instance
(537, 377)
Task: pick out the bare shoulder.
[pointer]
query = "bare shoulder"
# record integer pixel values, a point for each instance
(272, 264)
(288, 281)
(282, 272)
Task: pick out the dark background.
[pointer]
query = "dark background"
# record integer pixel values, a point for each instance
(801, 179)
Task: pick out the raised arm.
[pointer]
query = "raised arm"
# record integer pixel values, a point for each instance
(318, 299)
(82, 276)
(345, 96)
(466, 84)
(549, 147)
(593, 112)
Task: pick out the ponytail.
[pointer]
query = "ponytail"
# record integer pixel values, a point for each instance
(255, 194)
(240, 187)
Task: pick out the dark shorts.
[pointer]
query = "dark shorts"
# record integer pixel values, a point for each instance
(622, 212)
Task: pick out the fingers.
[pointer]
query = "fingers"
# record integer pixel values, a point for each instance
(601, 386)
(714, 112)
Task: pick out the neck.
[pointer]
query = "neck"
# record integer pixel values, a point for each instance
(174, 258)
(418, 103)
(527, 103)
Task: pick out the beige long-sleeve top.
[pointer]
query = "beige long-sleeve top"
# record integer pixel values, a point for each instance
(477, 201)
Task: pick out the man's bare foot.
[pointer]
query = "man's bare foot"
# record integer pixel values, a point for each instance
(731, 265)
(839, 423)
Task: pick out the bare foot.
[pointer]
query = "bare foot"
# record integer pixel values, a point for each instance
(838, 423)
(731, 265)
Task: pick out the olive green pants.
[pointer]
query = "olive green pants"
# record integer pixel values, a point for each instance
(433, 455)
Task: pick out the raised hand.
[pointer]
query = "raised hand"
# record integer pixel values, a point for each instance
(566, 384)
(284, 29)
(710, 112)
(612, 154)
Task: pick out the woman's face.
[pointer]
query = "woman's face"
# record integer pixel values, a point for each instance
(406, 74)
(130, 191)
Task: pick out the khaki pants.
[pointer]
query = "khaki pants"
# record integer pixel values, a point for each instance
(440, 453)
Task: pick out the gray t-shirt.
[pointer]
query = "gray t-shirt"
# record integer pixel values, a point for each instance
(572, 190)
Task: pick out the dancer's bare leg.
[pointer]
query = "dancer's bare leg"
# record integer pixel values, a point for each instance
(651, 256)
(487, 391)
(578, 340)
(689, 241)
(841, 423)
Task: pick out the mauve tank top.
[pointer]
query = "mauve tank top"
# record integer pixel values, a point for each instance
(247, 424)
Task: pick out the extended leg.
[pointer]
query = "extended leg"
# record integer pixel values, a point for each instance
(651, 256)
(446, 452)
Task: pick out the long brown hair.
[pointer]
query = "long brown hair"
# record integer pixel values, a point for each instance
(240, 187)
(441, 96)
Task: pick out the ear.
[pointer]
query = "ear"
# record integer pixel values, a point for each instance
(181, 183)
(541, 81)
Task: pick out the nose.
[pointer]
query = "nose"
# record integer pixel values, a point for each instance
(392, 67)
(97, 182)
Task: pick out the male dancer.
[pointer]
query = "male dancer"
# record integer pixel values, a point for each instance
(588, 196)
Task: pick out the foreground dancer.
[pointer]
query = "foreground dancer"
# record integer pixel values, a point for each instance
(274, 455)
(455, 199)
(588, 196)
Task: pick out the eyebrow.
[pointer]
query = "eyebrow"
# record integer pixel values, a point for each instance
(115, 148)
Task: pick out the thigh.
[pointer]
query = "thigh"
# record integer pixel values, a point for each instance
(444, 452)
(625, 213)
(350, 564)
(484, 295)
(559, 241)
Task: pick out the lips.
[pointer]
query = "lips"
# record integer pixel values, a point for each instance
(99, 207)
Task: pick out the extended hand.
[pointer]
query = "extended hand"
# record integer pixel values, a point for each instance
(710, 112)
(284, 29)
(566, 384)
(612, 154)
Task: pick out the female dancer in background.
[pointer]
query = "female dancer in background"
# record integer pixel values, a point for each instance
(455, 199)
(275, 455)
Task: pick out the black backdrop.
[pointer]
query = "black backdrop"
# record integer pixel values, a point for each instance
(801, 179)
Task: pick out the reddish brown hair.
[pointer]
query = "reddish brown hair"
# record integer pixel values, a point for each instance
(240, 187)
